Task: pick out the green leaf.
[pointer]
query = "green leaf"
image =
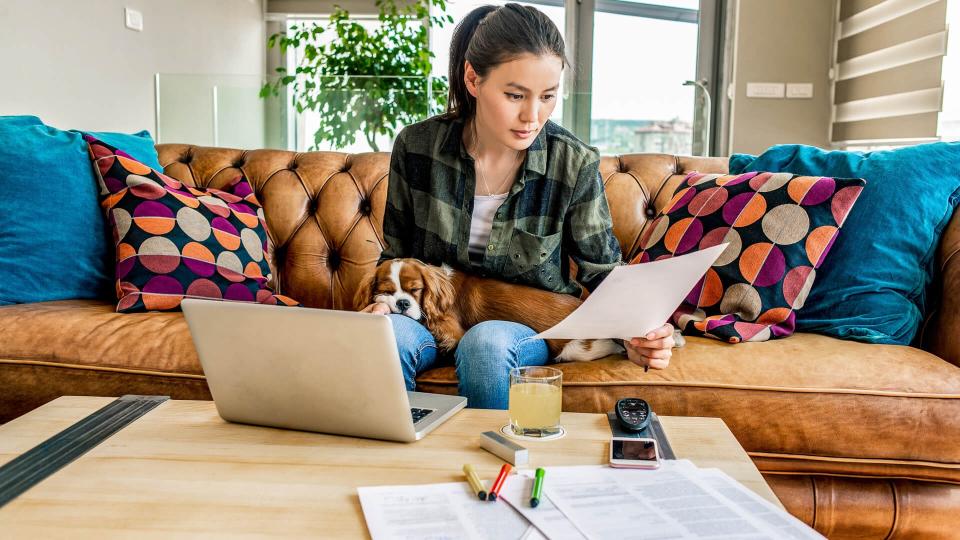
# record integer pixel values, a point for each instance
(365, 82)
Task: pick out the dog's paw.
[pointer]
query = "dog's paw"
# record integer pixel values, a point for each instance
(584, 350)
(678, 339)
(446, 345)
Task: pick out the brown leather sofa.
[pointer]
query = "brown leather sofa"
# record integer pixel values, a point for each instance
(860, 441)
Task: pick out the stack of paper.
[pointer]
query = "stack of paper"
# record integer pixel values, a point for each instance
(678, 500)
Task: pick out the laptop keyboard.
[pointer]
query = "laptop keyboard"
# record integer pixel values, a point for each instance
(418, 414)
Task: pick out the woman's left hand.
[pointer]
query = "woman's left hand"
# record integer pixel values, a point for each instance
(652, 350)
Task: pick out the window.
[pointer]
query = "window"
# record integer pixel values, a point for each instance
(639, 103)
(642, 54)
(888, 70)
(949, 122)
(308, 122)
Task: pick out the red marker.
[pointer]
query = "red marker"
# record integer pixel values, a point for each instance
(498, 483)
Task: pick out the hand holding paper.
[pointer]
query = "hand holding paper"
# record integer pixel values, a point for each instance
(635, 299)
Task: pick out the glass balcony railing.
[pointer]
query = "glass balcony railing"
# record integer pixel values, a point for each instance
(344, 113)
(212, 110)
(364, 113)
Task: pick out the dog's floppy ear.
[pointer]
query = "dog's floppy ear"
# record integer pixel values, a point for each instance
(438, 293)
(364, 295)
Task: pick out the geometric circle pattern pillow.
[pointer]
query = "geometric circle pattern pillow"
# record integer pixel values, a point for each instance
(174, 241)
(779, 227)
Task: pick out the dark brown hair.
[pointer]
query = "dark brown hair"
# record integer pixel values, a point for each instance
(489, 36)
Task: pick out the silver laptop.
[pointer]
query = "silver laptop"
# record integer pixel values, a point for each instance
(310, 369)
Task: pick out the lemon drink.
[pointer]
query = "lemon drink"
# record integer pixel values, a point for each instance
(535, 408)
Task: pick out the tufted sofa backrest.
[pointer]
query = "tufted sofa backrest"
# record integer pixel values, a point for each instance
(324, 210)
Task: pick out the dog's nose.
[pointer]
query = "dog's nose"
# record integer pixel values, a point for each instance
(403, 304)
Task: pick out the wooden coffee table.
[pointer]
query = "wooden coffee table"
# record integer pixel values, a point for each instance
(182, 470)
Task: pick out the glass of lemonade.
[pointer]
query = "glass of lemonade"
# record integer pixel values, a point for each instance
(535, 396)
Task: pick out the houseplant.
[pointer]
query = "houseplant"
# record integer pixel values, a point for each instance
(364, 79)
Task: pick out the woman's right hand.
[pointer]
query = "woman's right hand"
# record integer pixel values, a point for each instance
(378, 308)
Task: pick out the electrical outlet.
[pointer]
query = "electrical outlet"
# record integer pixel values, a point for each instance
(800, 90)
(765, 90)
(133, 19)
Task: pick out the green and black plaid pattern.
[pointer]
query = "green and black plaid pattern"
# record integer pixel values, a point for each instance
(556, 211)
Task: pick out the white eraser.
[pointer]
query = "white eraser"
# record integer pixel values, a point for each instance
(504, 448)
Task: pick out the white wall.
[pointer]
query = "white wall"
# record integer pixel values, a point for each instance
(75, 65)
(782, 41)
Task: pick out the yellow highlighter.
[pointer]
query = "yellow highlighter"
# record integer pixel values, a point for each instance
(474, 481)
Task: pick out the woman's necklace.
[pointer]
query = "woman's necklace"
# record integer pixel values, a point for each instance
(480, 175)
(510, 171)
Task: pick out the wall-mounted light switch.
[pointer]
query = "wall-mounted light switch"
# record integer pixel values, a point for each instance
(799, 90)
(764, 90)
(133, 19)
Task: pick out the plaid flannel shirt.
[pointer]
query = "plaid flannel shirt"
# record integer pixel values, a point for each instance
(554, 212)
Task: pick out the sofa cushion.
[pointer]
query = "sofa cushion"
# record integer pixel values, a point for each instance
(20, 120)
(84, 347)
(54, 242)
(890, 240)
(51, 221)
(779, 228)
(174, 241)
(825, 403)
(90, 334)
(139, 145)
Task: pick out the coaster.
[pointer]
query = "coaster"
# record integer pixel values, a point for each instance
(509, 433)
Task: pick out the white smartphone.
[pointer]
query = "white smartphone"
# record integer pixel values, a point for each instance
(634, 453)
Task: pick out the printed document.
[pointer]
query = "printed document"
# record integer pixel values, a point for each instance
(437, 511)
(635, 299)
(783, 523)
(675, 501)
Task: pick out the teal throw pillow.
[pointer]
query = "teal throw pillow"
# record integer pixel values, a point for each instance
(53, 237)
(19, 120)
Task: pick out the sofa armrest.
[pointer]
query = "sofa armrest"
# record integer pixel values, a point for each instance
(942, 334)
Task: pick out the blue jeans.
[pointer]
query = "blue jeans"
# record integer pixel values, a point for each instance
(483, 357)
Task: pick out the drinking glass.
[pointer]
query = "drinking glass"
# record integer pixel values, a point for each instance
(535, 399)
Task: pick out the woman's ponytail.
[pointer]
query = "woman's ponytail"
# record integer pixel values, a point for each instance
(460, 104)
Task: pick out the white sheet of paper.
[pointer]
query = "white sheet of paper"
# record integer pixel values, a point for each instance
(600, 507)
(759, 508)
(635, 299)
(678, 500)
(548, 520)
(437, 511)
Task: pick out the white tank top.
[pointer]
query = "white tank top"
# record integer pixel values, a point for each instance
(484, 208)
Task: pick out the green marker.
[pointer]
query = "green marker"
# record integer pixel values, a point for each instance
(537, 488)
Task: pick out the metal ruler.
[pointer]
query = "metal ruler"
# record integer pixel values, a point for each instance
(661, 436)
(653, 431)
(48, 457)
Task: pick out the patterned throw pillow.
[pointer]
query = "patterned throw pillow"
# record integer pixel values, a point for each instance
(780, 228)
(174, 241)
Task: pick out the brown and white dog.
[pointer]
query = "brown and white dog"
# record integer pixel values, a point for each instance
(448, 302)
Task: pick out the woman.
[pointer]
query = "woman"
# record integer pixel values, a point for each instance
(494, 187)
